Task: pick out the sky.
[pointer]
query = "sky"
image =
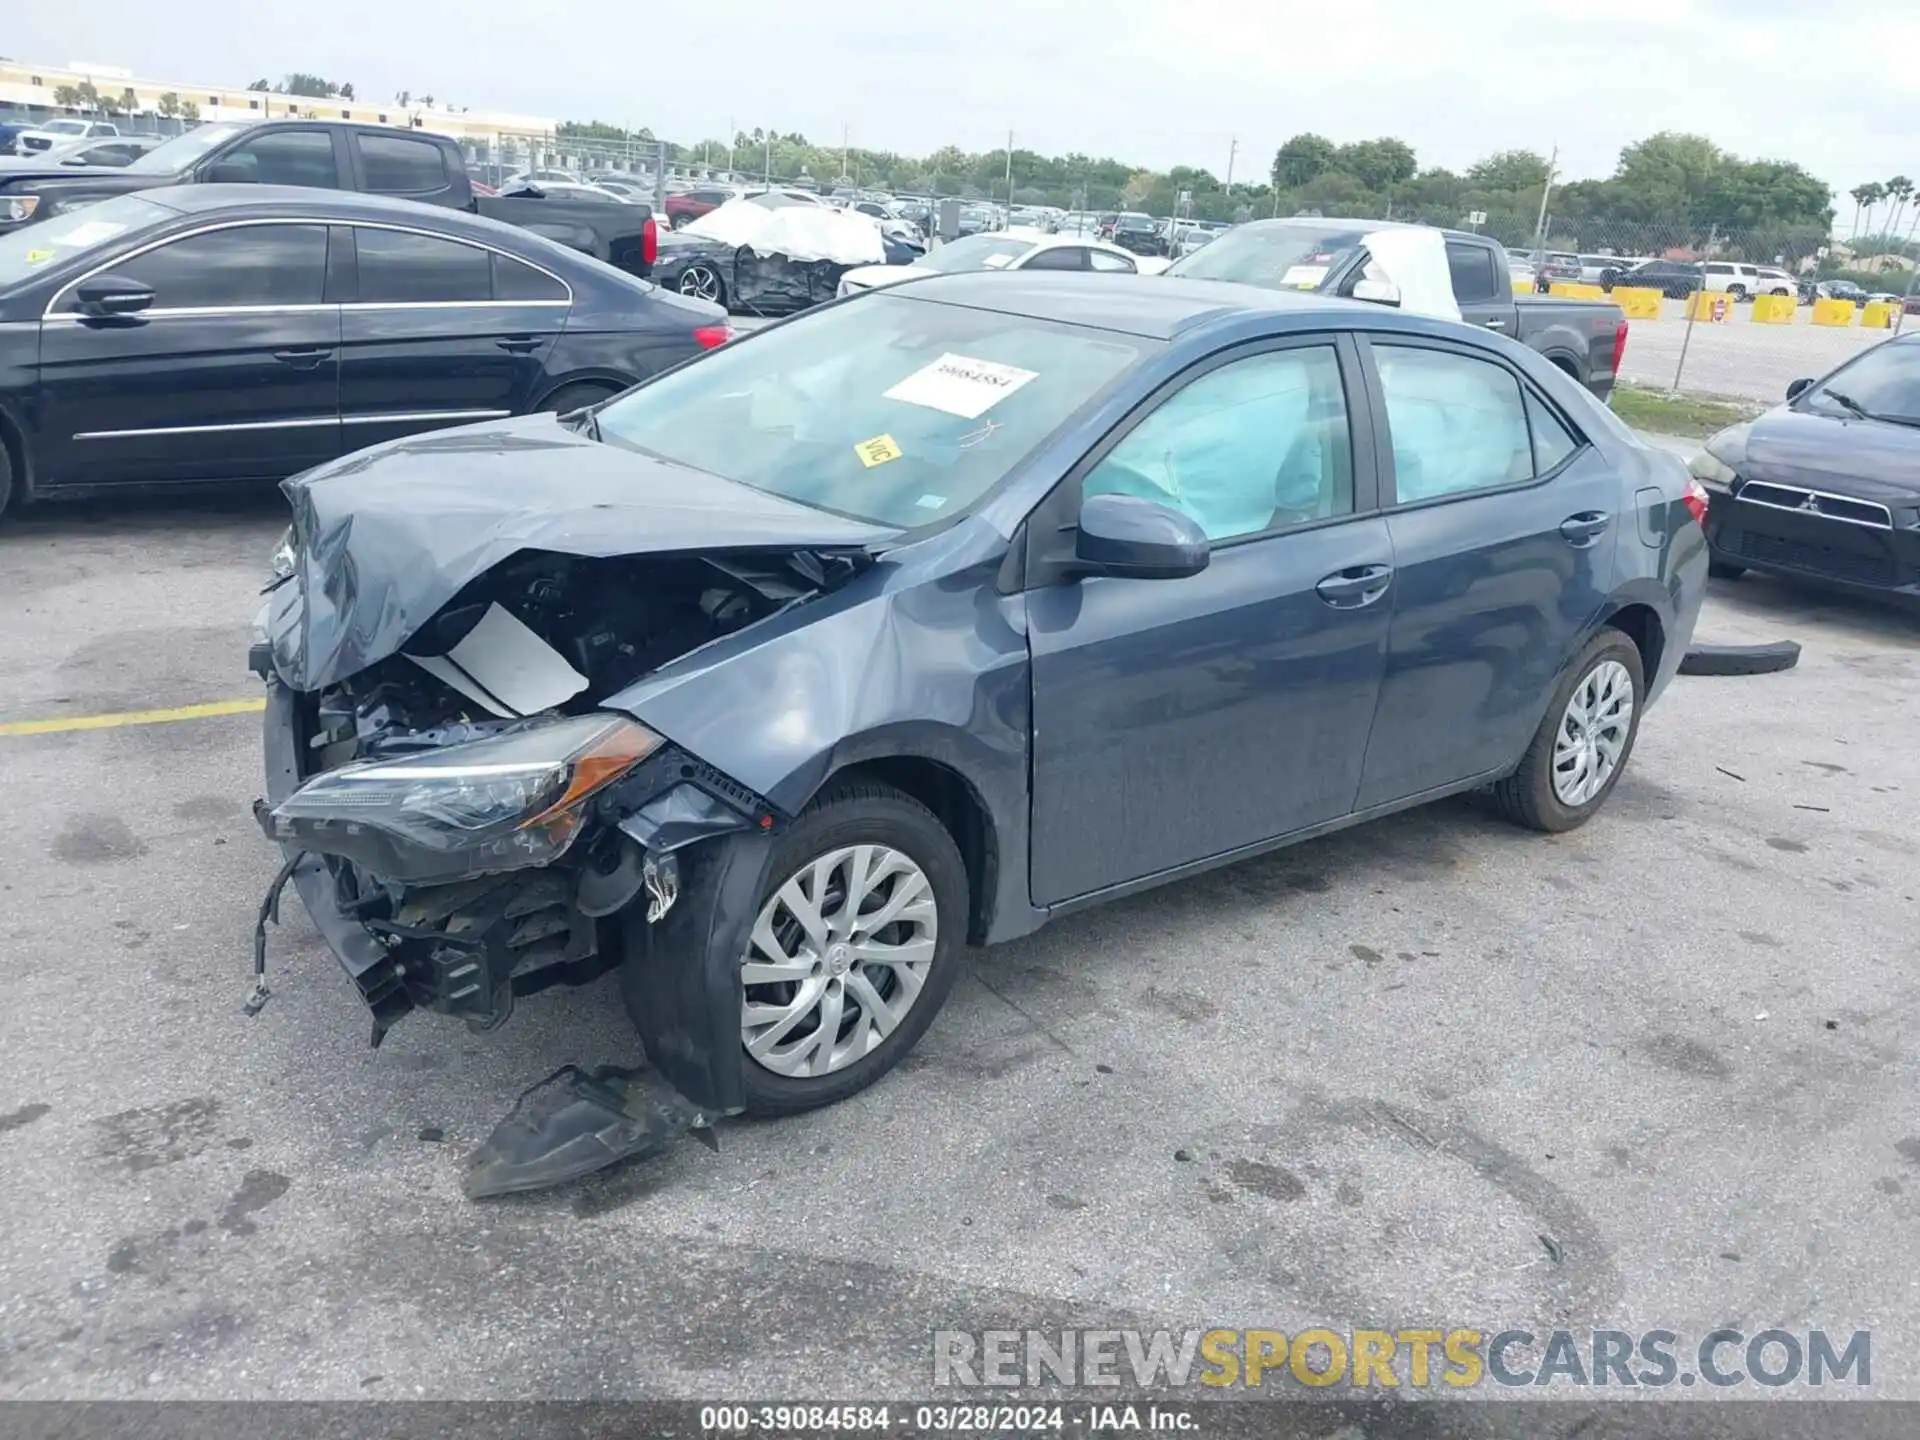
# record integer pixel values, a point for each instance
(1157, 82)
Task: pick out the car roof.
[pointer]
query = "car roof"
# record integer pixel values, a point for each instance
(1153, 307)
(298, 202)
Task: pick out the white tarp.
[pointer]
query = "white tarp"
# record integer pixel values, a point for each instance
(800, 232)
(1414, 259)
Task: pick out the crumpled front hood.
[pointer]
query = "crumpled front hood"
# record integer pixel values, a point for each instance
(1869, 459)
(386, 537)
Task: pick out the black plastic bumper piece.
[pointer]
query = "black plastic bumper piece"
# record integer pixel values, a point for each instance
(575, 1122)
(1740, 659)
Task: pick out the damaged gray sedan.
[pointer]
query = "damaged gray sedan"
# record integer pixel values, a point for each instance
(924, 617)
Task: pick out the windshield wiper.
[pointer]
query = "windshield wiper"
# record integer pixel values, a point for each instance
(1849, 404)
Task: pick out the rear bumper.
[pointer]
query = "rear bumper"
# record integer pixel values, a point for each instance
(1868, 561)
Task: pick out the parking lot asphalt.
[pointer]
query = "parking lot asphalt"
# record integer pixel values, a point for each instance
(1738, 359)
(1657, 1073)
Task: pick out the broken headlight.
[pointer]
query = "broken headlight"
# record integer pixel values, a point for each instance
(507, 802)
(283, 556)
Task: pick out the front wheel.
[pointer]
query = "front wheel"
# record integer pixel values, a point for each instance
(855, 947)
(1583, 742)
(702, 282)
(569, 398)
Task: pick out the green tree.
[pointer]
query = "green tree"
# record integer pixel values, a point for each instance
(67, 96)
(315, 86)
(128, 101)
(1305, 157)
(1668, 177)
(1509, 170)
(189, 110)
(1860, 194)
(1377, 164)
(169, 104)
(346, 91)
(261, 85)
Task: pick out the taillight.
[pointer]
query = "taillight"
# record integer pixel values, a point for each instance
(711, 337)
(1694, 497)
(1619, 345)
(649, 241)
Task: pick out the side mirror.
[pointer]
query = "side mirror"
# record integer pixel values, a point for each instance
(1378, 292)
(105, 296)
(1797, 388)
(232, 170)
(1123, 535)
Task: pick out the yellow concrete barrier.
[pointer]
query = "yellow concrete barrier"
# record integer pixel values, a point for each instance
(1523, 287)
(1572, 290)
(1878, 315)
(1773, 309)
(1711, 305)
(1640, 302)
(1833, 312)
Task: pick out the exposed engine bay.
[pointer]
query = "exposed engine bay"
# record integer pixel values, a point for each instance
(480, 815)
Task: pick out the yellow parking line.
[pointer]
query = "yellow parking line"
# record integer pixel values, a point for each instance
(133, 717)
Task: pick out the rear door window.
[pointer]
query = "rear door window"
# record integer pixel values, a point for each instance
(1475, 278)
(402, 165)
(398, 267)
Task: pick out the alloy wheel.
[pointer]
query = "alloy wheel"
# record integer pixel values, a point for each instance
(700, 282)
(1593, 734)
(836, 959)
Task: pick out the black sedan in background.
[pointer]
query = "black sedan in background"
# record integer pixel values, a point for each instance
(1675, 279)
(216, 333)
(1827, 486)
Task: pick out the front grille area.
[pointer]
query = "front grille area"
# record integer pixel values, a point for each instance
(1847, 565)
(1815, 502)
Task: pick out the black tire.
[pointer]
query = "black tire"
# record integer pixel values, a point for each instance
(6, 478)
(719, 296)
(1740, 659)
(1526, 796)
(578, 396)
(1736, 293)
(1725, 570)
(852, 814)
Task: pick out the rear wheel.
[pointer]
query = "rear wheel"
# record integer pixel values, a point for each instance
(854, 949)
(569, 398)
(1583, 742)
(6, 477)
(1737, 292)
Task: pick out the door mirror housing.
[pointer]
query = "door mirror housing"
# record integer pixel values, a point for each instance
(1797, 388)
(232, 170)
(1377, 292)
(1126, 536)
(105, 296)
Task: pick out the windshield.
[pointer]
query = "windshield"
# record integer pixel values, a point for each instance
(976, 252)
(66, 127)
(25, 252)
(1134, 222)
(1884, 383)
(182, 151)
(892, 410)
(1280, 257)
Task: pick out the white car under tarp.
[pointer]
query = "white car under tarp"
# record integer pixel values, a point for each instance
(799, 232)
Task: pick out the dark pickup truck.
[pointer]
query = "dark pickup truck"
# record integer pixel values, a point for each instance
(333, 155)
(1585, 338)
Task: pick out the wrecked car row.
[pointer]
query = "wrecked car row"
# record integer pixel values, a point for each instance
(925, 617)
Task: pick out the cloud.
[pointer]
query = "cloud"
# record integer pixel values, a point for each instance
(1155, 81)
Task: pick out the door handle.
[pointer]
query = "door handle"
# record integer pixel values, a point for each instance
(1585, 528)
(519, 344)
(1355, 586)
(302, 359)
(1495, 324)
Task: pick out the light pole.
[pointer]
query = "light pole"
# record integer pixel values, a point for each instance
(1232, 150)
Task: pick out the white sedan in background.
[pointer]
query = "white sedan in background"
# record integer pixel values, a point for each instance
(1000, 250)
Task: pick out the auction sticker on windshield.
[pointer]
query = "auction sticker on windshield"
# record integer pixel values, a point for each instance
(960, 385)
(90, 233)
(877, 451)
(1304, 277)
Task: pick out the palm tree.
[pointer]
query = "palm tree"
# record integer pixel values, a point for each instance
(1859, 194)
(1875, 192)
(1899, 190)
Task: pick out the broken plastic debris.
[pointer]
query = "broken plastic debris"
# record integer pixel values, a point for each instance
(574, 1123)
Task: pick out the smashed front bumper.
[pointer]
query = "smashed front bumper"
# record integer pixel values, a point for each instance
(674, 912)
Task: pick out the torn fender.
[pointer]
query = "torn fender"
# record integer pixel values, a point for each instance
(387, 537)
